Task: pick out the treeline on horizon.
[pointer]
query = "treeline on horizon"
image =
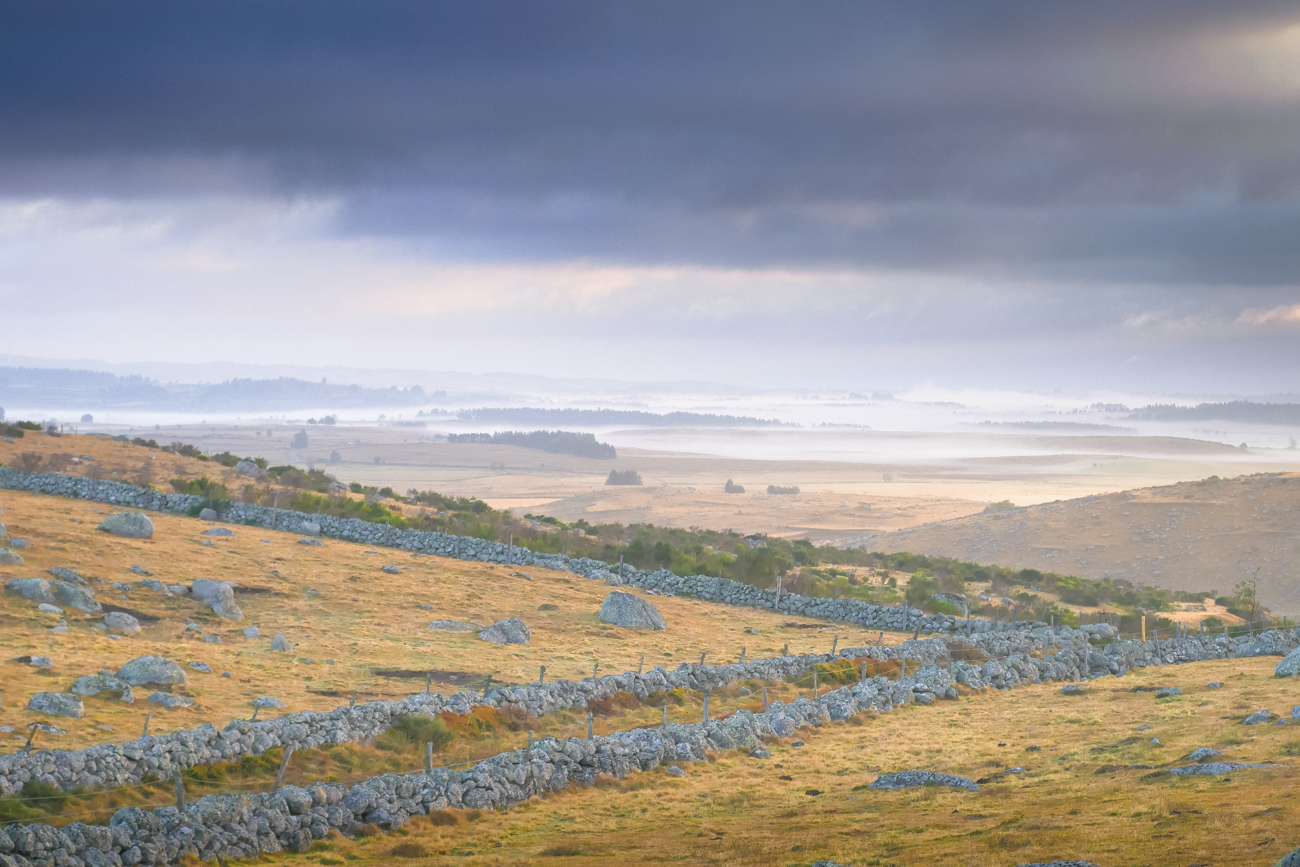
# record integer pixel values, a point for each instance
(589, 417)
(556, 442)
(1236, 410)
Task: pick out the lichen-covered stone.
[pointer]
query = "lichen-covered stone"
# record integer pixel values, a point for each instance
(129, 525)
(633, 612)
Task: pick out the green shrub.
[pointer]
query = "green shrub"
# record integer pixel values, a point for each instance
(623, 477)
(423, 730)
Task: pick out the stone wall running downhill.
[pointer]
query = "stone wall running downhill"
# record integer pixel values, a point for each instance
(242, 826)
(898, 618)
(1068, 656)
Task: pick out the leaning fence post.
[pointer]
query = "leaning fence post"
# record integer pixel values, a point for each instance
(541, 676)
(487, 686)
(640, 664)
(428, 753)
(428, 682)
(256, 708)
(834, 644)
(145, 732)
(284, 766)
(595, 669)
(27, 747)
(742, 656)
(814, 681)
(180, 787)
(785, 649)
(352, 702)
(702, 658)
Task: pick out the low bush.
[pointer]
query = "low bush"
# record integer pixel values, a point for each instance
(778, 489)
(623, 477)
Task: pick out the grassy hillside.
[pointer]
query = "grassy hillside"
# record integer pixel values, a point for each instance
(333, 603)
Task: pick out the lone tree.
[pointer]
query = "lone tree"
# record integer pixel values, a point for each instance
(1246, 596)
(300, 439)
(733, 488)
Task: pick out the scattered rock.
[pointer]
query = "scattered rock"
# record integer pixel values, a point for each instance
(151, 669)
(452, 626)
(201, 667)
(391, 569)
(1145, 728)
(178, 590)
(676, 771)
(37, 661)
(248, 468)
(909, 779)
(1168, 692)
(76, 596)
(35, 589)
(311, 540)
(94, 684)
(311, 528)
(219, 531)
(208, 515)
(1073, 689)
(509, 631)
(797, 743)
(625, 609)
(281, 643)
(226, 674)
(122, 622)
(140, 570)
(57, 704)
(1295, 713)
(10, 558)
(1289, 666)
(122, 587)
(1258, 717)
(129, 525)
(252, 632)
(268, 702)
(212, 639)
(168, 700)
(1202, 753)
(760, 753)
(1218, 768)
(67, 573)
(49, 609)
(22, 543)
(219, 596)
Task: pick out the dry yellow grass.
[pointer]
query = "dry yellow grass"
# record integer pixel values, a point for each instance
(1067, 804)
(335, 604)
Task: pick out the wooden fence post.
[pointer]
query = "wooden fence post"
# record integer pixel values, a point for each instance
(145, 732)
(595, 669)
(863, 675)
(284, 766)
(428, 682)
(180, 787)
(764, 699)
(665, 713)
(742, 656)
(640, 664)
(27, 747)
(706, 704)
(541, 676)
(428, 753)
(702, 659)
(487, 686)
(589, 719)
(834, 644)
(814, 681)
(352, 702)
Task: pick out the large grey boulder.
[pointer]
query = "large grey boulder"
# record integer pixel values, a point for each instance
(219, 531)
(129, 525)
(1257, 718)
(151, 669)
(76, 596)
(248, 468)
(908, 779)
(208, 515)
(510, 631)
(67, 573)
(311, 528)
(10, 558)
(1289, 666)
(1290, 859)
(219, 596)
(1214, 768)
(281, 643)
(57, 704)
(35, 589)
(168, 700)
(122, 622)
(625, 609)
(94, 684)
(268, 702)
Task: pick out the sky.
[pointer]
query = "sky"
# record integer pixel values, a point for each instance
(995, 195)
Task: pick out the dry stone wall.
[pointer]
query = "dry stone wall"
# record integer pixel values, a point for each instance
(712, 588)
(239, 826)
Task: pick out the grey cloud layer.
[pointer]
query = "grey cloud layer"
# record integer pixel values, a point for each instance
(1107, 141)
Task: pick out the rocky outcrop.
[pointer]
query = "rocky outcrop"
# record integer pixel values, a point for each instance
(76, 596)
(10, 558)
(910, 779)
(625, 609)
(35, 589)
(1289, 666)
(509, 631)
(57, 704)
(129, 525)
(219, 596)
(94, 684)
(152, 669)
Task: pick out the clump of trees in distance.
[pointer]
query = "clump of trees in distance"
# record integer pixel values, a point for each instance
(593, 417)
(732, 488)
(783, 490)
(558, 442)
(623, 477)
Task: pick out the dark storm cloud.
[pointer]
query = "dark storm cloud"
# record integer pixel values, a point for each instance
(1106, 142)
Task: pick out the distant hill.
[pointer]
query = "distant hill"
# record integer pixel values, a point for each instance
(87, 390)
(1061, 427)
(1190, 536)
(556, 442)
(593, 417)
(1237, 410)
